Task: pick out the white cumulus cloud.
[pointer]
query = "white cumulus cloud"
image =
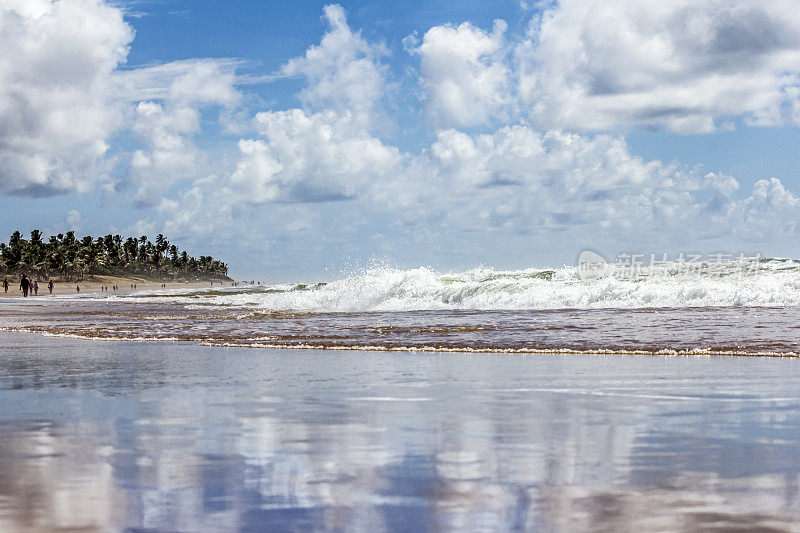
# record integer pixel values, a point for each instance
(64, 95)
(465, 74)
(680, 66)
(57, 94)
(323, 152)
(343, 72)
(167, 123)
(310, 157)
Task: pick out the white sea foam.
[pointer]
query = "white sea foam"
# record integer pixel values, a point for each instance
(774, 282)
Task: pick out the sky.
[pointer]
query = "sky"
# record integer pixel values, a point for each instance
(305, 140)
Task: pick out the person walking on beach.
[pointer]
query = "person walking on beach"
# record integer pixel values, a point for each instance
(78, 288)
(25, 285)
(5, 285)
(35, 287)
(50, 286)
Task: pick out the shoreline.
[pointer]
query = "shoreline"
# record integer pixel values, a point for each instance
(94, 285)
(702, 354)
(285, 318)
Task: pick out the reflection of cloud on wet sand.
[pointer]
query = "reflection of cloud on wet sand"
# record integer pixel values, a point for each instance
(694, 502)
(321, 440)
(286, 471)
(52, 477)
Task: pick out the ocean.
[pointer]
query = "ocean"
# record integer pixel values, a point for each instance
(735, 308)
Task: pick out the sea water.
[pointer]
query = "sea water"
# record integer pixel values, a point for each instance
(733, 309)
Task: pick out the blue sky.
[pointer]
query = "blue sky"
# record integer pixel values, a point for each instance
(303, 140)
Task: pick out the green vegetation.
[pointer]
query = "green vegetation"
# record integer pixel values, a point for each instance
(71, 259)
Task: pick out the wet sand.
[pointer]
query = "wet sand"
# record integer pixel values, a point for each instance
(174, 436)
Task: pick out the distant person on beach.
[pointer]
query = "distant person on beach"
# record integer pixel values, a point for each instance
(50, 286)
(35, 287)
(5, 285)
(25, 285)
(78, 288)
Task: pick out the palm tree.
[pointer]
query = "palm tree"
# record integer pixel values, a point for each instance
(74, 258)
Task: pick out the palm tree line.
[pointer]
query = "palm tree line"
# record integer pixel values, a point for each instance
(72, 259)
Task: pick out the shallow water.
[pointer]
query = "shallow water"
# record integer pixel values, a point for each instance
(175, 436)
(171, 316)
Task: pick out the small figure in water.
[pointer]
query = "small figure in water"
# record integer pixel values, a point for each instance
(24, 284)
(5, 285)
(35, 288)
(50, 286)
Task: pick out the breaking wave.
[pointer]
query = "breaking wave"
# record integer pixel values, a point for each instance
(755, 283)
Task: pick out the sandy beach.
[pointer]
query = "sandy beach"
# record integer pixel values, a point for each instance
(94, 285)
(178, 437)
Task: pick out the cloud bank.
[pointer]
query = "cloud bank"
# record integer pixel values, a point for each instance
(682, 66)
(526, 132)
(518, 177)
(57, 109)
(64, 96)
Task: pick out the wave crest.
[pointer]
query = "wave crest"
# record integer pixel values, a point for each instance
(772, 282)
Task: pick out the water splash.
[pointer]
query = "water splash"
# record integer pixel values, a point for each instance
(763, 283)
